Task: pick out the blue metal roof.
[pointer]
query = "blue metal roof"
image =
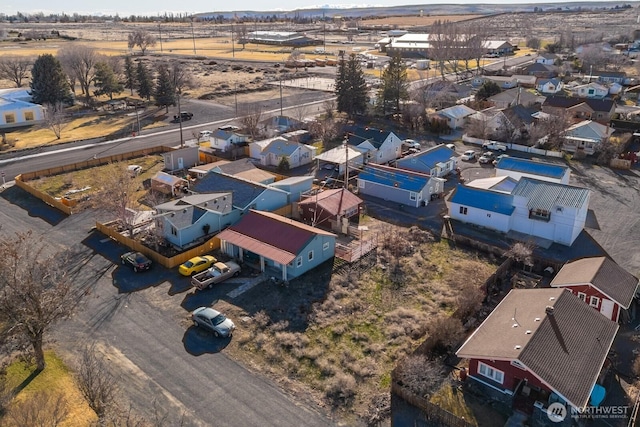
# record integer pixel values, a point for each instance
(395, 178)
(426, 160)
(243, 192)
(528, 166)
(483, 199)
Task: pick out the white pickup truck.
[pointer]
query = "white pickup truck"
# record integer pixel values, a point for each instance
(219, 272)
(494, 146)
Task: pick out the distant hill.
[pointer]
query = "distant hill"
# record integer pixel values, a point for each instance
(430, 9)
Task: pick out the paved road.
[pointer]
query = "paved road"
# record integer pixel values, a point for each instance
(141, 323)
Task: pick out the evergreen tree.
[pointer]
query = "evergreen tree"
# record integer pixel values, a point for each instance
(49, 84)
(394, 86)
(144, 81)
(351, 87)
(129, 74)
(165, 93)
(488, 89)
(106, 81)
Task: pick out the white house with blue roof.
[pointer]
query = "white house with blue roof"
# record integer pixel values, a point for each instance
(17, 110)
(399, 185)
(547, 210)
(377, 145)
(296, 154)
(436, 161)
(517, 168)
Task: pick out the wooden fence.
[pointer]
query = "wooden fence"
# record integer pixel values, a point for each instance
(620, 164)
(51, 201)
(169, 262)
(434, 415)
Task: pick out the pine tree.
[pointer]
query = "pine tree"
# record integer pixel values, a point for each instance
(165, 93)
(145, 81)
(394, 86)
(106, 81)
(129, 74)
(49, 84)
(351, 87)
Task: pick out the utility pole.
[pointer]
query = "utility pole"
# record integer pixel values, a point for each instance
(233, 47)
(160, 36)
(193, 36)
(137, 119)
(346, 163)
(280, 96)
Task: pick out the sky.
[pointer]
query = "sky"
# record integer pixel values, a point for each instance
(159, 7)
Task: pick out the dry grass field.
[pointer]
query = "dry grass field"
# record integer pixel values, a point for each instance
(402, 22)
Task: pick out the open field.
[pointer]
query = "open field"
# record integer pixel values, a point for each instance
(402, 22)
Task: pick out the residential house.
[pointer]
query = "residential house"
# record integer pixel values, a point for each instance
(437, 161)
(399, 185)
(546, 58)
(515, 96)
(601, 283)
(599, 110)
(539, 347)
(408, 45)
(493, 121)
(256, 147)
(454, 116)
(443, 93)
(586, 136)
(279, 124)
(246, 194)
(549, 86)
(181, 158)
(225, 140)
(165, 183)
(17, 110)
(498, 47)
(542, 71)
(243, 168)
(506, 82)
(546, 210)
(611, 76)
(188, 220)
(294, 153)
(521, 119)
(301, 135)
(516, 168)
(331, 209)
(288, 247)
(590, 90)
(295, 186)
(379, 146)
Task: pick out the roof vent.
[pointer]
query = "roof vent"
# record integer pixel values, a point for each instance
(552, 298)
(528, 332)
(549, 310)
(515, 325)
(518, 347)
(537, 319)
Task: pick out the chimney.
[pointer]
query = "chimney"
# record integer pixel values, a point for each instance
(549, 310)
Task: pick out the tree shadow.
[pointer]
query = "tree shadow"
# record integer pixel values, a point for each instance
(32, 205)
(17, 389)
(198, 341)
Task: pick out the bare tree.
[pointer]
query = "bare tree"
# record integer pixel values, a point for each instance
(54, 118)
(96, 383)
(419, 374)
(521, 253)
(141, 38)
(554, 127)
(181, 76)
(80, 60)
(44, 408)
(118, 189)
(15, 68)
(479, 127)
(326, 129)
(251, 117)
(35, 294)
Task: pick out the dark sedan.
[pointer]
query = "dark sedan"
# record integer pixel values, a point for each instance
(138, 261)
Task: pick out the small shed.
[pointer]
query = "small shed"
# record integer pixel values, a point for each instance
(168, 184)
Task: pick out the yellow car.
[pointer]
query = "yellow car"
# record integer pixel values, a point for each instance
(196, 265)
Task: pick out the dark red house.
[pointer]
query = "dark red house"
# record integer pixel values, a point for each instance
(538, 347)
(599, 282)
(330, 208)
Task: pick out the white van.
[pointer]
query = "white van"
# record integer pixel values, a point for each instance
(204, 134)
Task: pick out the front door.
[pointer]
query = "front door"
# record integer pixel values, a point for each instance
(606, 308)
(180, 163)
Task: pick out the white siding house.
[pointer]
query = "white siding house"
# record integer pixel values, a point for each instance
(17, 110)
(517, 168)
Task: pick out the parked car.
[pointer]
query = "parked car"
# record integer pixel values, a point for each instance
(411, 144)
(451, 146)
(497, 159)
(216, 322)
(134, 170)
(494, 146)
(468, 155)
(138, 261)
(218, 273)
(486, 157)
(196, 265)
(183, 116)
(204, 134)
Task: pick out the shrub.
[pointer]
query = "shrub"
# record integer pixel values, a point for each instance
(341, 389)
(419, 375)
(446, 332)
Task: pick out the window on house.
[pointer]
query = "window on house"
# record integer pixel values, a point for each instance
(582, 296)
(412, 196)
(28, 116)
(491, 373)
(488, 215)
(299, 261)
(174, 231)
(540, 215)
(463, 210)
(9, 118)
(594, 301)
(325, 246)
(310, 255)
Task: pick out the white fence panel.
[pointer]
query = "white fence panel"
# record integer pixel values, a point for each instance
(515, 147)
